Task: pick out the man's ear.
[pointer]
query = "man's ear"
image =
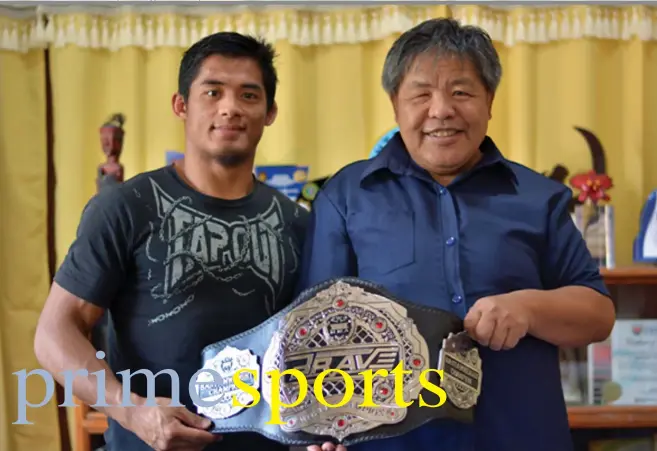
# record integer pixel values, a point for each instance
(491, 97)
(271, 115)
(178, 106)
(393, 101)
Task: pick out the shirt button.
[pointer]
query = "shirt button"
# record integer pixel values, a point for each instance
(456, 299)
(450, 241)
(442, 190)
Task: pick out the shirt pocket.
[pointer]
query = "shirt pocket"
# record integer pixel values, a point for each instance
(383, 240)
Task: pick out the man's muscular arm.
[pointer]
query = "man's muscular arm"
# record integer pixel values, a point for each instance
(89, 281)
(62, 343)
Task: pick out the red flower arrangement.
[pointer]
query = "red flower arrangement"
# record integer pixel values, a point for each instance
(592, 186)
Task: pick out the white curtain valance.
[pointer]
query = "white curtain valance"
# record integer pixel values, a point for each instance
(152, 26)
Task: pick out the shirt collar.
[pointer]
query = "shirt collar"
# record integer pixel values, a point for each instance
(395, 158)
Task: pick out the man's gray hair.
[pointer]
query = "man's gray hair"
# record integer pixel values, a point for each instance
(442, 37)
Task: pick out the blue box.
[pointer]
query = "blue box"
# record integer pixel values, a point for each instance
(289, 179)
(172, 156)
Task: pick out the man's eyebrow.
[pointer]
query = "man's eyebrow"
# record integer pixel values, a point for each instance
(254, 86)
(420, 84)
(462, 81)
(213, 82)
(457, 81)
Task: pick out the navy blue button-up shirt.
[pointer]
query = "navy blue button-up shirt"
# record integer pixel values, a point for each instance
(499, 228)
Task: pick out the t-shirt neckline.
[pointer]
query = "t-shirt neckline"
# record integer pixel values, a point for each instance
(171, 170)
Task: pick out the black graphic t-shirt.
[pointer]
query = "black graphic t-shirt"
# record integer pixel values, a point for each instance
(178, 271)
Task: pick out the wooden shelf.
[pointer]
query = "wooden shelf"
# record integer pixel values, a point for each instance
(580, 417)
(612, 417)
(95, 423)
(631, 275)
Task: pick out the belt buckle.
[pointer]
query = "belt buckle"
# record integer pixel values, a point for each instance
(215, 386)
(348, 328)
(461, 366)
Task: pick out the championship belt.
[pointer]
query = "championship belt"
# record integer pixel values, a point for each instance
(347, 326)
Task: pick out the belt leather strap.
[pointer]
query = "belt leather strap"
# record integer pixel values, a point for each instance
(351, 325)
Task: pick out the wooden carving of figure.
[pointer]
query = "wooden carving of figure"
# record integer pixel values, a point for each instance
(111, 140)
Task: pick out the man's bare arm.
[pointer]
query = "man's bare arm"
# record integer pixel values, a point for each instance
(571, 317)
(62, 343)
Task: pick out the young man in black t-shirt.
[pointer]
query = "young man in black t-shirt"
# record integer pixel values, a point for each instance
(181, 257)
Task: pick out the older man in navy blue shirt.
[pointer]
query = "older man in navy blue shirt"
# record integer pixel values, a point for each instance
(441, 218)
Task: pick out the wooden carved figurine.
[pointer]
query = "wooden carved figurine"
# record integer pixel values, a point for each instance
(111, 140)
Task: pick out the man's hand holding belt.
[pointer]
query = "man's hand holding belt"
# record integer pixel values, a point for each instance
(498, 322)
(165, 427)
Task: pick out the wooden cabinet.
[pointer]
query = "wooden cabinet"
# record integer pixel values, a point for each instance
(87, 423)
(634, 291)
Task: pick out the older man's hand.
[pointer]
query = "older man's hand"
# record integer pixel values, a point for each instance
(327, 446)
(499, 322)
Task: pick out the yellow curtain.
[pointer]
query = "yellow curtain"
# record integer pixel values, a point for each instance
(586, 66)
(24, 274)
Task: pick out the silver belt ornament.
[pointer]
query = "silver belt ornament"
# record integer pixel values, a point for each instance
(217, 392)
(348, 328)
(461, 365)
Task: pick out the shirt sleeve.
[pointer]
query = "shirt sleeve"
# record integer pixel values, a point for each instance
(97, 261)
(568, 260)
(327, 251)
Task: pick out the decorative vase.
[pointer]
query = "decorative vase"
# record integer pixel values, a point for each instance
(596, 224)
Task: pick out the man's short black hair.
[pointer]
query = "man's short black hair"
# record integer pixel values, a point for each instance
(232, 45)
